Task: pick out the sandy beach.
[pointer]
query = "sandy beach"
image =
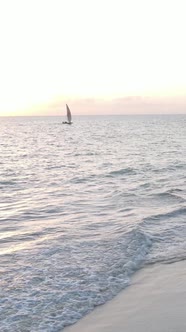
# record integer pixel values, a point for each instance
(155, 302)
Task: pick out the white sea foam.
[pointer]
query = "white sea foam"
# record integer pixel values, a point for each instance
(82, 208)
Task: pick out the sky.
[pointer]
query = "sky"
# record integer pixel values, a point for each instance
(99, 56)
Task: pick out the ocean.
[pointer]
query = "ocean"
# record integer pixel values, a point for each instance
(82, 208)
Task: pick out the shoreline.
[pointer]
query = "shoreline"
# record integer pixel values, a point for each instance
(154, 302)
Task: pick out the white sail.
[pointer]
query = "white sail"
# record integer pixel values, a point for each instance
(69, 116)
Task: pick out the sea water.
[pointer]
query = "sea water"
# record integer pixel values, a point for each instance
(83, 207)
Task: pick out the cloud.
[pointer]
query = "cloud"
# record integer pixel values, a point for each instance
(125, 105)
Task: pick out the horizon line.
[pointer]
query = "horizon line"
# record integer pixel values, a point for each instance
(108, 114)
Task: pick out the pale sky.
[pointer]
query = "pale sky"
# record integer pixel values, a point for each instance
(91, 52)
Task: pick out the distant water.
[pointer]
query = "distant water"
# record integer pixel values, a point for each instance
(83, 207)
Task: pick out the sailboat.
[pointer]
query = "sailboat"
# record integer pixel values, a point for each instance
(69, 116)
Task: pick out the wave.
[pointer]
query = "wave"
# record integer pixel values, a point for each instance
(170, 194)
(122, 171)
(167, 215)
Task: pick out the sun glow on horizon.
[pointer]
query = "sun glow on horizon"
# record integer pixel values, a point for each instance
(59, 49)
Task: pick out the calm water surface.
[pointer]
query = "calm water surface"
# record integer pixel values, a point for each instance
(83, 207)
